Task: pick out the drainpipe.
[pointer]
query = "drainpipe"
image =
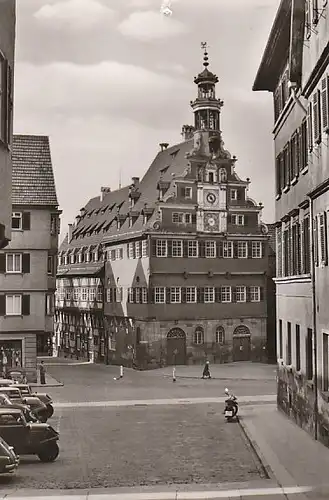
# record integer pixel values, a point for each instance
(315, 353)
(293, 87)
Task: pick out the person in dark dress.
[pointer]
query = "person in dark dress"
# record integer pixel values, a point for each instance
(206, 371)
(42, 370)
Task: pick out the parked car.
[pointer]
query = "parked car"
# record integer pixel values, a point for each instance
(17, 374)
(27, 391)
(28, 438)
(6, 382)
(9, 461)
(5, 401)
(38, 408)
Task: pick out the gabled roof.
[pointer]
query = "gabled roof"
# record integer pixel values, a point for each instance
(33, 180)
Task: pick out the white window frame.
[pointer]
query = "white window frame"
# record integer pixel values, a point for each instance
(131, 248)
(84, 294)
(188, 218)
(80, 258)
(198, 336)
(242, 250)
(76, 294)
(226, 294)
(161, 248)
(177, 248)
(19, 216)
(138, 295)
(241, 294)
(209, 295)
(16, 309)
(14, 256)
(144, 295)
(72, 259)
(234, 194)
(131, 295)
(227, 249)
(188, 193)
(220, 336)
(177, 218)
(119, 295)
(192, 249)
(95, 256)
(144, 248)
(254, 294)
(160, 294)
(92, 294)
(256, 249)
(237, 219)
(210, 249)
(88, 256)
(175, 295)
(108, 294)
(49, 304)
(191, 295)
(138, 252)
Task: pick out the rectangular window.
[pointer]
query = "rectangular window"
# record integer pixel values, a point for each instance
(210, 249)
(113, 255)
(280, 339)
(178, 217)
(190, 294)
(54, 224)
(177, 248)
(254, 294)
(137, 295)
(68, 293)
(13, 263)
(242, 249)
(138, 252)
(316, 117)
(144, 295)
(306, 246)
(234, 194)
(237, 220)
(286, 253)
(241, 294)
(84, 294)
(325, 103)
(159, 295)
(288, 354)
(13, 305)
(175, 295)
(228, 249)
(16, 221)
(76, 293)
(303, 146)
(297, 348)
(225, 294)
(278, 174)
(256, 250)
(131, 295)
(49, 304)
(92, 294)
(294, 249)
(188, 193)
(144, 248)
(118, 294)
(131, 250)
(99, 294)
(50, 265)
(192, 248)
(309, 354)
(209, 294)
(161, 248)
(323, 243)
(188, 218)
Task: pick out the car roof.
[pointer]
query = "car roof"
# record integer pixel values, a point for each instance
(6, 380)
(8, 409)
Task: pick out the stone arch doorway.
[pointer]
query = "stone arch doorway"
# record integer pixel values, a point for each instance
(241, 343)
(176, 347)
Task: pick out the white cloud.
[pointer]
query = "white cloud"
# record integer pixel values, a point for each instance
(78, 14)
(150, 25)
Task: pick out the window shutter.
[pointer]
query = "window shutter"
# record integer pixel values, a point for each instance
(325, 104)
(217, 294)
(167, 291)
(278, 174)
(235, 249)
(26, 263)
(323, 238)
(233, 293)
(185, 248)
(297, 153)
(261, 293)
(25, 305)
(316, 241)
(310, 127)
(129, 296)
(183, 294)
(152, 295)
(193, 218)
(248, 294)
(26, 221)
(249, 243)
(2, 305)
(201, 248)
(316, 117)
(291, 149)
(169, 248)
(200, 295)
(154, 247)
(2, 262)
(220, 249)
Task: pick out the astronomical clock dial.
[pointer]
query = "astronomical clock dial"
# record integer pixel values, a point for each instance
(211, 198)
(211, 222)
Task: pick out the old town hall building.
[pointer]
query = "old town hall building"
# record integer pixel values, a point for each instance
(176, 267)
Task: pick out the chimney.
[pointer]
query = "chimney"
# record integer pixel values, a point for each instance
(69, 232)
(187, 132)
(82, 211)
(104, 192)
(135, 181)
(163, 145)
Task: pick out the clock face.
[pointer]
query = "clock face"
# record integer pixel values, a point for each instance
(211, 198)
(211, 222)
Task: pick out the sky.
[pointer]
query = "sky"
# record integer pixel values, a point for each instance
(108, 80)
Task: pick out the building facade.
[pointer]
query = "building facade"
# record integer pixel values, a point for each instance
(28, 264)
(174, 268)
(295, 69)
(7, 53)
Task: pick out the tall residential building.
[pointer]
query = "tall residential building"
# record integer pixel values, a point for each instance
(173, 268)
(7, 52)
(28, 264)
(295, 69)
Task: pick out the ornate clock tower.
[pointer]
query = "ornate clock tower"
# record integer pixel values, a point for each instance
(211, 162)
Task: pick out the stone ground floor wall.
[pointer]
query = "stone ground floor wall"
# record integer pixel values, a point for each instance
(20, 350)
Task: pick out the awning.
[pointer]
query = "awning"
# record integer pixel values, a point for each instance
(81, 271)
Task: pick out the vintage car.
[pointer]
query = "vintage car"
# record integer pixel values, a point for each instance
(17, 374)
(38, 408)
(9, 461)
(27, 391)
(5, 401)
(28, 438)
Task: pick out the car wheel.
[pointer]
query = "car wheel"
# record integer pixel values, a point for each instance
(50, 411)
(42, 417)
(49, 452)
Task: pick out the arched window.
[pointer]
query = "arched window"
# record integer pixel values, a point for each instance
(220, 335)
(199, 335)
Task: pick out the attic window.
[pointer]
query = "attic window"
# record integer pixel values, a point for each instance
(90, 213)
(174, 153)
(164, 170)
(104, 209)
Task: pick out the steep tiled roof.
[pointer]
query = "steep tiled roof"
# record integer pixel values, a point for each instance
(33, 177)
(102, 213)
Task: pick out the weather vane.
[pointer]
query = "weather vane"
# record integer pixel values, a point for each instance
(165, 8)
(204, 46)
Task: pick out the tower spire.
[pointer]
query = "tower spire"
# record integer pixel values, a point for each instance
(204, 47)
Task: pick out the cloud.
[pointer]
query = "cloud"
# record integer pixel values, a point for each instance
(77, 14)
(150, 25)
